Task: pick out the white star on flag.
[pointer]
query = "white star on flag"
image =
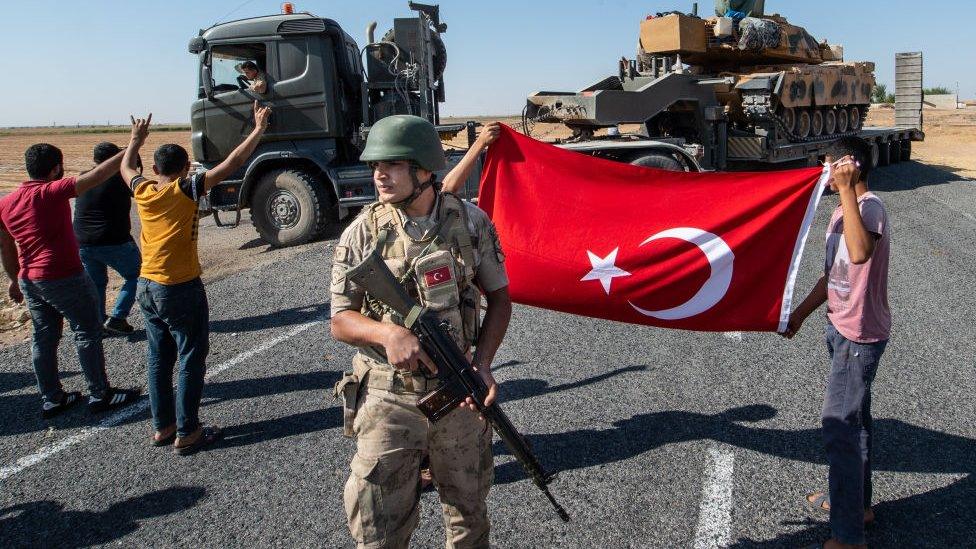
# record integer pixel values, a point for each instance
(604, 269)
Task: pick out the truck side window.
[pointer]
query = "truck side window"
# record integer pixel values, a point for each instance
(292, 59)
(227, 61)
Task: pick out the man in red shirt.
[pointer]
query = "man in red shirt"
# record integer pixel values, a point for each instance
(40, 255)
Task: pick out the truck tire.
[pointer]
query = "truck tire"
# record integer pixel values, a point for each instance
(905, 149)
(884, 153)
(289, 207)
(660, 161)
(894, 152)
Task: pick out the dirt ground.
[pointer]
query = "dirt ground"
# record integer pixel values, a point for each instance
(950, 144)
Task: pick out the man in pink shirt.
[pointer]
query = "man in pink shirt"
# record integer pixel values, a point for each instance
(40, 255)
(855, 288)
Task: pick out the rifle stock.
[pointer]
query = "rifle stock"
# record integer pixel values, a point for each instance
(458, 379)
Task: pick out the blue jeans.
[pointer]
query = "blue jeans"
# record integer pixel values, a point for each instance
(847, 432)
(50, 302)
(177, 327)
(124, 259)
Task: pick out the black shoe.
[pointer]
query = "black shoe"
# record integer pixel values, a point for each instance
(50, 408)
(113, 398)
(118, 326)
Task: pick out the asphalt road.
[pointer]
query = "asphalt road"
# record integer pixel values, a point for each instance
(662, 438)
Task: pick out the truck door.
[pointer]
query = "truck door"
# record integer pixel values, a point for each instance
(229, 111)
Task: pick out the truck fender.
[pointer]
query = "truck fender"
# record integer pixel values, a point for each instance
(267, 160)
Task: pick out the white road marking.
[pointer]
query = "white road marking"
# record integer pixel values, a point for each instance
(715, 514)
(734, 336)
(119, 417)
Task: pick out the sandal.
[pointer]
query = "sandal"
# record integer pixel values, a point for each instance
(820, 501)
(208, 435)
(165, 441)
(821, 504)
(51, 408)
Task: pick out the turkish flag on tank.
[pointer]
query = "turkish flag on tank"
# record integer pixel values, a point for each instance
(696, 251)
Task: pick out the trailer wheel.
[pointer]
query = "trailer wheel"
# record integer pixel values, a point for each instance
(875, 154)
(905, 149)
(842, 121)
(660, 161)
(290, 207)
(894, 152)
(884, 154)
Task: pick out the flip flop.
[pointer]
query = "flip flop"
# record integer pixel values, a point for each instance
(208, 436)
(165, 441)
(819, 498)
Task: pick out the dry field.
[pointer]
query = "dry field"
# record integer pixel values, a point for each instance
(950, 144)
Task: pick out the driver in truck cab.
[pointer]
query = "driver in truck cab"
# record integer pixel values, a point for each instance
(251, 78)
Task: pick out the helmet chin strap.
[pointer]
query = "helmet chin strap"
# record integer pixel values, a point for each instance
(418, 189)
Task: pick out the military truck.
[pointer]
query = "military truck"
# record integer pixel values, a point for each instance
(305, 175)
(734, 91)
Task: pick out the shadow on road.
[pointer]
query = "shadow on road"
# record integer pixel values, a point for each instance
(518, 389)
(320, 383)
(946, 514)
(276, 319)
(12, 381)
(909, 176)
(47, 524)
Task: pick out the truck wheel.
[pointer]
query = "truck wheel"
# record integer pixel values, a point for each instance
(289, 207)
(884, 154)
(905, 149)
(660, 161)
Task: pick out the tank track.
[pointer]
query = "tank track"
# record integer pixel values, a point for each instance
(758, 108)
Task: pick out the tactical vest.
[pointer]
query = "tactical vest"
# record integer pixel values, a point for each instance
(438, 270)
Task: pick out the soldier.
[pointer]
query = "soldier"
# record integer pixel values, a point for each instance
(447, 254)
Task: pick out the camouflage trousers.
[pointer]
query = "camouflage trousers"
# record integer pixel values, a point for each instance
(382, 495)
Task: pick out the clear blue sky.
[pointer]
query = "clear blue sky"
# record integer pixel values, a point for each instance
(95, 61)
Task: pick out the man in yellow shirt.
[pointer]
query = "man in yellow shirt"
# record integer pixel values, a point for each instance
(170, 293)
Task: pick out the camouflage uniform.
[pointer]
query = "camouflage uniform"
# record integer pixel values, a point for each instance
(392, 436)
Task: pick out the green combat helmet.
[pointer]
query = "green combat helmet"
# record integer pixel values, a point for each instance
(406, 137)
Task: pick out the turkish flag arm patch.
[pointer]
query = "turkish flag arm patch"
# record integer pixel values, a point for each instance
(438, 276)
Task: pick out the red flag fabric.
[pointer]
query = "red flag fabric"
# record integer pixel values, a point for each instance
(696, 251)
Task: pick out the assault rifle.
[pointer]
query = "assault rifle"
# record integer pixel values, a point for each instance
(458, 380)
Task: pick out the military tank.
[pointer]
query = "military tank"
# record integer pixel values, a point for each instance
(780, 74)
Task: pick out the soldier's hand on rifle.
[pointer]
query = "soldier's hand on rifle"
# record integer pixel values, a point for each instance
(262, 115)
(404, 352)
(485, 373)
(140, 130)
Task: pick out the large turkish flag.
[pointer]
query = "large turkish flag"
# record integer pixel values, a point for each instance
(696, 251)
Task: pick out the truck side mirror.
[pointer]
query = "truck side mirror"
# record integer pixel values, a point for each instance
(206, 79)
(197, 45)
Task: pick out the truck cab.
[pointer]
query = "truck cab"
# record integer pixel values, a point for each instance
(305, 174)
